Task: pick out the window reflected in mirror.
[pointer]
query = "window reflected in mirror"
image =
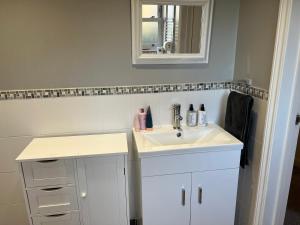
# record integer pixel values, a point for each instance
(171, 29)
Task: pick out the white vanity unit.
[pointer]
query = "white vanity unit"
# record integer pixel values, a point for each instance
(188, 180)
(76, 180)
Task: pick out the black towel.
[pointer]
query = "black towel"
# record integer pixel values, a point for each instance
(237, 120)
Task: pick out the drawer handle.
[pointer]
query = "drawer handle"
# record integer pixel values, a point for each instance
(52, 189)
(183, 196)
(48, 161)
(56, 215)
(200, 195)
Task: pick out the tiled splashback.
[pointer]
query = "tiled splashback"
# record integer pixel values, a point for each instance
(136, 89)
(250, 90)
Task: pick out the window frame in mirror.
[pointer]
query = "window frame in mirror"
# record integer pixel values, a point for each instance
(177, 58)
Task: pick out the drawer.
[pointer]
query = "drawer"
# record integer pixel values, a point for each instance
(48, 172)
(171, 164)
(70, 218)
(50, 200)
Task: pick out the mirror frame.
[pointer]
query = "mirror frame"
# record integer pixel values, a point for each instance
(136, 22)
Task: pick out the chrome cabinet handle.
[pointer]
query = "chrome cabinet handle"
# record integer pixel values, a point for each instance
(183, 196)
(200, 195)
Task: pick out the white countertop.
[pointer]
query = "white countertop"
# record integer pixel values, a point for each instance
(75, 147)
(209, 138)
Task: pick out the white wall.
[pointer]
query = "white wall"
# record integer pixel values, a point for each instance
(22, 120)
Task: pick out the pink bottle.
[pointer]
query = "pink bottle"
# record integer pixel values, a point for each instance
(142, 119)
(136, 123)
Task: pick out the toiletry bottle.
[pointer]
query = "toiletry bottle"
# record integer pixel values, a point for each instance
(142, 119)
(202, 120)
(136, 123)
(149, 122)
(191, 119)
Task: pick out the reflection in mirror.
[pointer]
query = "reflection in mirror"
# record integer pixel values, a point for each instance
(171, 29)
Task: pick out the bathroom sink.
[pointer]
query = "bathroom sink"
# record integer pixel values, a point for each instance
(165, 139)
(174, 137)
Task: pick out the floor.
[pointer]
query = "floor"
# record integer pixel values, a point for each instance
(292, 216)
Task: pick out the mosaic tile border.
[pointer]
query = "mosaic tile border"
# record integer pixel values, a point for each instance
(250, 90)
(126, 90)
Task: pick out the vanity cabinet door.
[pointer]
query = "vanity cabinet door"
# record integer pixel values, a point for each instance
(102, 191)
(214, 197)
(166, 199)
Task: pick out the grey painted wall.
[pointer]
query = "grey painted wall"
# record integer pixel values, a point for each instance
(254, 54)
(69, 43)
(256, 40)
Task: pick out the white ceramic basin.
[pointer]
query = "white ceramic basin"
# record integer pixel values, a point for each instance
(165, 138)
(169, 136)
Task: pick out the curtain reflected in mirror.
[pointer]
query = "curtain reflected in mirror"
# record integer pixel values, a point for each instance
(171, 29)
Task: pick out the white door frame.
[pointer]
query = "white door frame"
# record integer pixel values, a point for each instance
(277, 153)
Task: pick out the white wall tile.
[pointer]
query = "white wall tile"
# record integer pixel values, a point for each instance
(247, 189)
(259, 117)
(115, 112)
(40, 117)
(166, 100)
(10, 148)
(215, 103)
(249, 176)
(50, 116)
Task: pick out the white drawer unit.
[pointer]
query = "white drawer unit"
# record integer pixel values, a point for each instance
(54, 199)
(70, 218)
(76, 180)
(48, 172)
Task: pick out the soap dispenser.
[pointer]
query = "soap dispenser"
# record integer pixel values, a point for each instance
(202, 119)
(191, 119)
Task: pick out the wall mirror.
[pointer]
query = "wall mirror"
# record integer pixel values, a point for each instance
(171, 31)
